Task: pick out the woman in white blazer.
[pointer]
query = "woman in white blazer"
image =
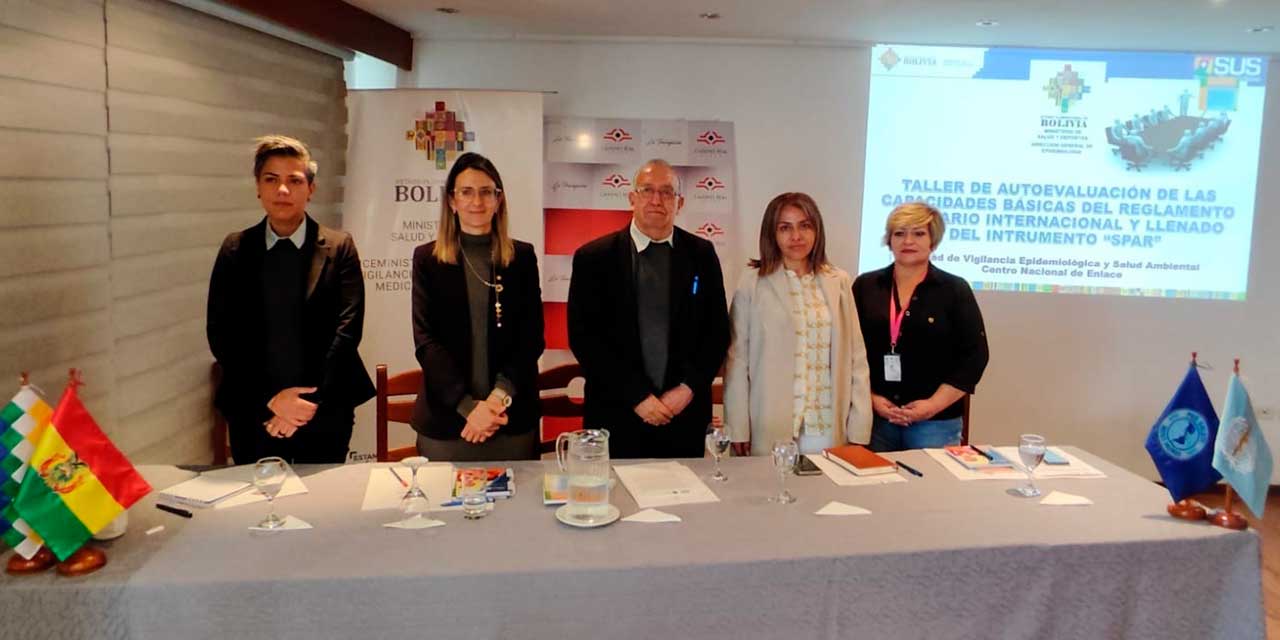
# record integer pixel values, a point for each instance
(797, 367)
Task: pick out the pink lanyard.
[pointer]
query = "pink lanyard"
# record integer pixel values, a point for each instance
(895, 318)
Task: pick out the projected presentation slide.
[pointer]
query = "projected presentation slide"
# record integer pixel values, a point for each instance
(1123, 173)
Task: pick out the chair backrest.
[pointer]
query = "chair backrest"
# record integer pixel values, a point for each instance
(408, 383)
(560, 411)
(218, 437)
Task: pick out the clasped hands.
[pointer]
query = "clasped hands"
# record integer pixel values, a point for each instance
(289, 412)
(659, 411)
(484, 420)
(915, 411)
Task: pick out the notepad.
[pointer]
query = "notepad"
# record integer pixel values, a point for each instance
(204, 491)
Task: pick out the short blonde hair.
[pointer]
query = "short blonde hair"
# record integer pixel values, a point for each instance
(916, 214)
(276, 145)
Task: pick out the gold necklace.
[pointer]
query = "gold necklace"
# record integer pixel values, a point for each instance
(496, 286)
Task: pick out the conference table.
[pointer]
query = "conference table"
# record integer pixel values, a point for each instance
(935, 558)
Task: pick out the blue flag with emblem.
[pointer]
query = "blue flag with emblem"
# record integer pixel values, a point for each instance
(1241, 453)
(1181, 440)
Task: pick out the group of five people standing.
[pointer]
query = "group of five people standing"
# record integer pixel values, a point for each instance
(810, 354)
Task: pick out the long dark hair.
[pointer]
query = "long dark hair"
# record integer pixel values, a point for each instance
(770, 253)
(447, 236)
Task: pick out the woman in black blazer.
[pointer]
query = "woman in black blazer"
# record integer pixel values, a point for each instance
(477, 326)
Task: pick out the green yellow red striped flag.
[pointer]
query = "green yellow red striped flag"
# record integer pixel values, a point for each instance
(77, 481)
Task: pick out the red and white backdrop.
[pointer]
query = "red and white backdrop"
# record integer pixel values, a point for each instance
(590, 163)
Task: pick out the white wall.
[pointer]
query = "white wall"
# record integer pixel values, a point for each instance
(1090, 371)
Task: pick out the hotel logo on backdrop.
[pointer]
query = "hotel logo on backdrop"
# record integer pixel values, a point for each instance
(616, 181)
(711, 137)
(441, 135)
(710, 183)
(1066, 88)
(617, 134)
(709, 230)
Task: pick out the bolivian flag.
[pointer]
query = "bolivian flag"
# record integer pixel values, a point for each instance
(78, 482)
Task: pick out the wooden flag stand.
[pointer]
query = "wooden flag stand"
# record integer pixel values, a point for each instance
(1187, 509)
(39, 563)
(84, 561)
(1226, 518)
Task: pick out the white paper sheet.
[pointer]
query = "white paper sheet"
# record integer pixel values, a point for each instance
(1064, 499)
(835, 508)
(291, 523)
(662, 484)
(383, 491)
(414, 523)
(292, 486)
(651, 516)
(1075, 467)
(843, 478)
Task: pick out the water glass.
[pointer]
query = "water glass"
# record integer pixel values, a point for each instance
(414, 503)
(785, 454)
(718, 445)
(475, 502)
(268, 478)
(1031, 452)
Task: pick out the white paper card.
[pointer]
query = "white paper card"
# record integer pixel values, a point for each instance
(384, 491)
(414, 523)
(292, 486)
(1063, 499)
(652, 515)
(291, 523)
(662, 484)
(843, 478)
(835, 508)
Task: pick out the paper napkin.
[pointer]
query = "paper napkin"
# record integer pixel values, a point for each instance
(835, 508)
(415, 523)
(1061, 499)
(291, 523)
(652, 515)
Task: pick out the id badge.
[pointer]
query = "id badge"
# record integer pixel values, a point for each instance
(892, 367)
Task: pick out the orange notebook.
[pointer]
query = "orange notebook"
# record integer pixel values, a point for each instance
(859, 460)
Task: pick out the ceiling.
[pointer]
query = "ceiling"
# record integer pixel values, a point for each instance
(1172, 25)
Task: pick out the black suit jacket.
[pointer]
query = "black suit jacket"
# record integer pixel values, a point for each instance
(442, 340)
(605, 337)
(333, 318)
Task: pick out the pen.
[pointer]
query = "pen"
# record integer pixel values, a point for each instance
(174, 510)
(909, 468)
(402, 482)
(695, 285)
(982, 453)
(457, 502)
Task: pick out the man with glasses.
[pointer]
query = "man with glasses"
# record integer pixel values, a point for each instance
(648, 323)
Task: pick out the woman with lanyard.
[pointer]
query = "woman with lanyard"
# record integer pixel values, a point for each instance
(926, 345)
(477, 326)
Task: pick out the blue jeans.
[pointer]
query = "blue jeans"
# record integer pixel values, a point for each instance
(929, 434)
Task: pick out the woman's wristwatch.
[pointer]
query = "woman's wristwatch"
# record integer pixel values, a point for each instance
(502, 396)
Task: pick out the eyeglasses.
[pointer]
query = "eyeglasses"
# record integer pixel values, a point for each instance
(471, 193)
(668, 194)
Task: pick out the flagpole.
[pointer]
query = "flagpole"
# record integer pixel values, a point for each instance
(1187, 509)
(1226, 518)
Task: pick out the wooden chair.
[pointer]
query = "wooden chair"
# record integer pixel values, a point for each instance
(560, 411)
(218, 436)
(400, 409)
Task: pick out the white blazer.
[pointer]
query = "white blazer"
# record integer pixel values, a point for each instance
(759, 373)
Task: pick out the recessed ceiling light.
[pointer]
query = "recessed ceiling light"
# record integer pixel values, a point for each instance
(987, 22)
(447, 10)
(1266, 28)
(709, 15)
